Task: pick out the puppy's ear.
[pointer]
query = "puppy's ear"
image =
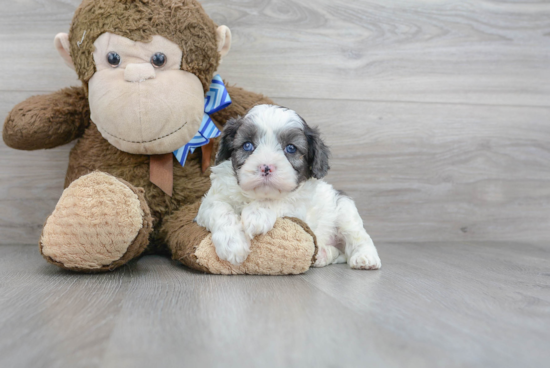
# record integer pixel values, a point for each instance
(228, 136)
(318, 153)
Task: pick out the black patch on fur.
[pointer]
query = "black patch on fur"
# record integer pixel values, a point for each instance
(298, 160)
(318, 153)
(246, 133)
(228, 136)
(235, 134)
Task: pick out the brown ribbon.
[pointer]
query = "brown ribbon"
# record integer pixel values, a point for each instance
(161, 168)
(161, 172)
(206, 155)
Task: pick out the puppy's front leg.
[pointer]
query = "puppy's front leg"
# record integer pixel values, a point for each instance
(257, 219)
(231, 244)
(227, 232)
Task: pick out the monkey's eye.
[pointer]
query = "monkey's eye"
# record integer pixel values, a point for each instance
(158, 60)
(291, 149)
(248, 147)
(114, 59)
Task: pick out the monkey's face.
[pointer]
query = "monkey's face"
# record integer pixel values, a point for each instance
(146, 96)
(140, 99)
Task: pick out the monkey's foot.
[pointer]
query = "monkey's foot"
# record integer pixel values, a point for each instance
(100, 223)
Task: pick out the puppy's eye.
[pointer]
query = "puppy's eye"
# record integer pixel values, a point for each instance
(248, 147)
(113, 59)
(158, 60)
(291, 149)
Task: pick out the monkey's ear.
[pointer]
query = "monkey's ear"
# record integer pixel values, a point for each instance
(223, 36)
(63, 46)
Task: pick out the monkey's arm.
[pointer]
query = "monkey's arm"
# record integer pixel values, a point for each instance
(242, 102)
(47, 121)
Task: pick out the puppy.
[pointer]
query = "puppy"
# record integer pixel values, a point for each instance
(269, 165)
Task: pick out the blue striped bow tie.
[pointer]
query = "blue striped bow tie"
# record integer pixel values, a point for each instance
(217, 98)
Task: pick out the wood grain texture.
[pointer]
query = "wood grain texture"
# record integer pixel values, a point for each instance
(437, 304)
(446, 51)
(437, 113)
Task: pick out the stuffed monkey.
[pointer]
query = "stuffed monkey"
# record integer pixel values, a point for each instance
(146, 67)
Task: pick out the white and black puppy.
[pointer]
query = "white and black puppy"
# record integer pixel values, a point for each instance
(269, 165)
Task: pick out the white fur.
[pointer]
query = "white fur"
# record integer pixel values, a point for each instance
(237, 211)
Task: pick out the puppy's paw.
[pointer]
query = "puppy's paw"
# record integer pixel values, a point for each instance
(231, 245)
(328, 255)
(365, 259)
(257, 220)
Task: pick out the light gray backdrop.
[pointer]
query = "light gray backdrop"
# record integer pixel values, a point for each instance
(437, 112)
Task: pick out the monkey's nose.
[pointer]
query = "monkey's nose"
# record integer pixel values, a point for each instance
(139, 72)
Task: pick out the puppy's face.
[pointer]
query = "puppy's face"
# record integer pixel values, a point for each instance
(273, 150)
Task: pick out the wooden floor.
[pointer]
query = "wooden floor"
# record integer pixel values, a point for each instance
(452, 305)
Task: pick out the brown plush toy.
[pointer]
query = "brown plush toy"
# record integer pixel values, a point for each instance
(145, 67)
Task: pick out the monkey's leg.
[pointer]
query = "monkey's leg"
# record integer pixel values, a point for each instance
(100, 223)
(287, 249)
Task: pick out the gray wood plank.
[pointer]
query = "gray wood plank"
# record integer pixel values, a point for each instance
(446, 51)
(209, 321)
(488, 302)
(456, 51)
(53, 318)
(432, 304)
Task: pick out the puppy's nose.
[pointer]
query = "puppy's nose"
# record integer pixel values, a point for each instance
(139, 72)
(267, 170)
